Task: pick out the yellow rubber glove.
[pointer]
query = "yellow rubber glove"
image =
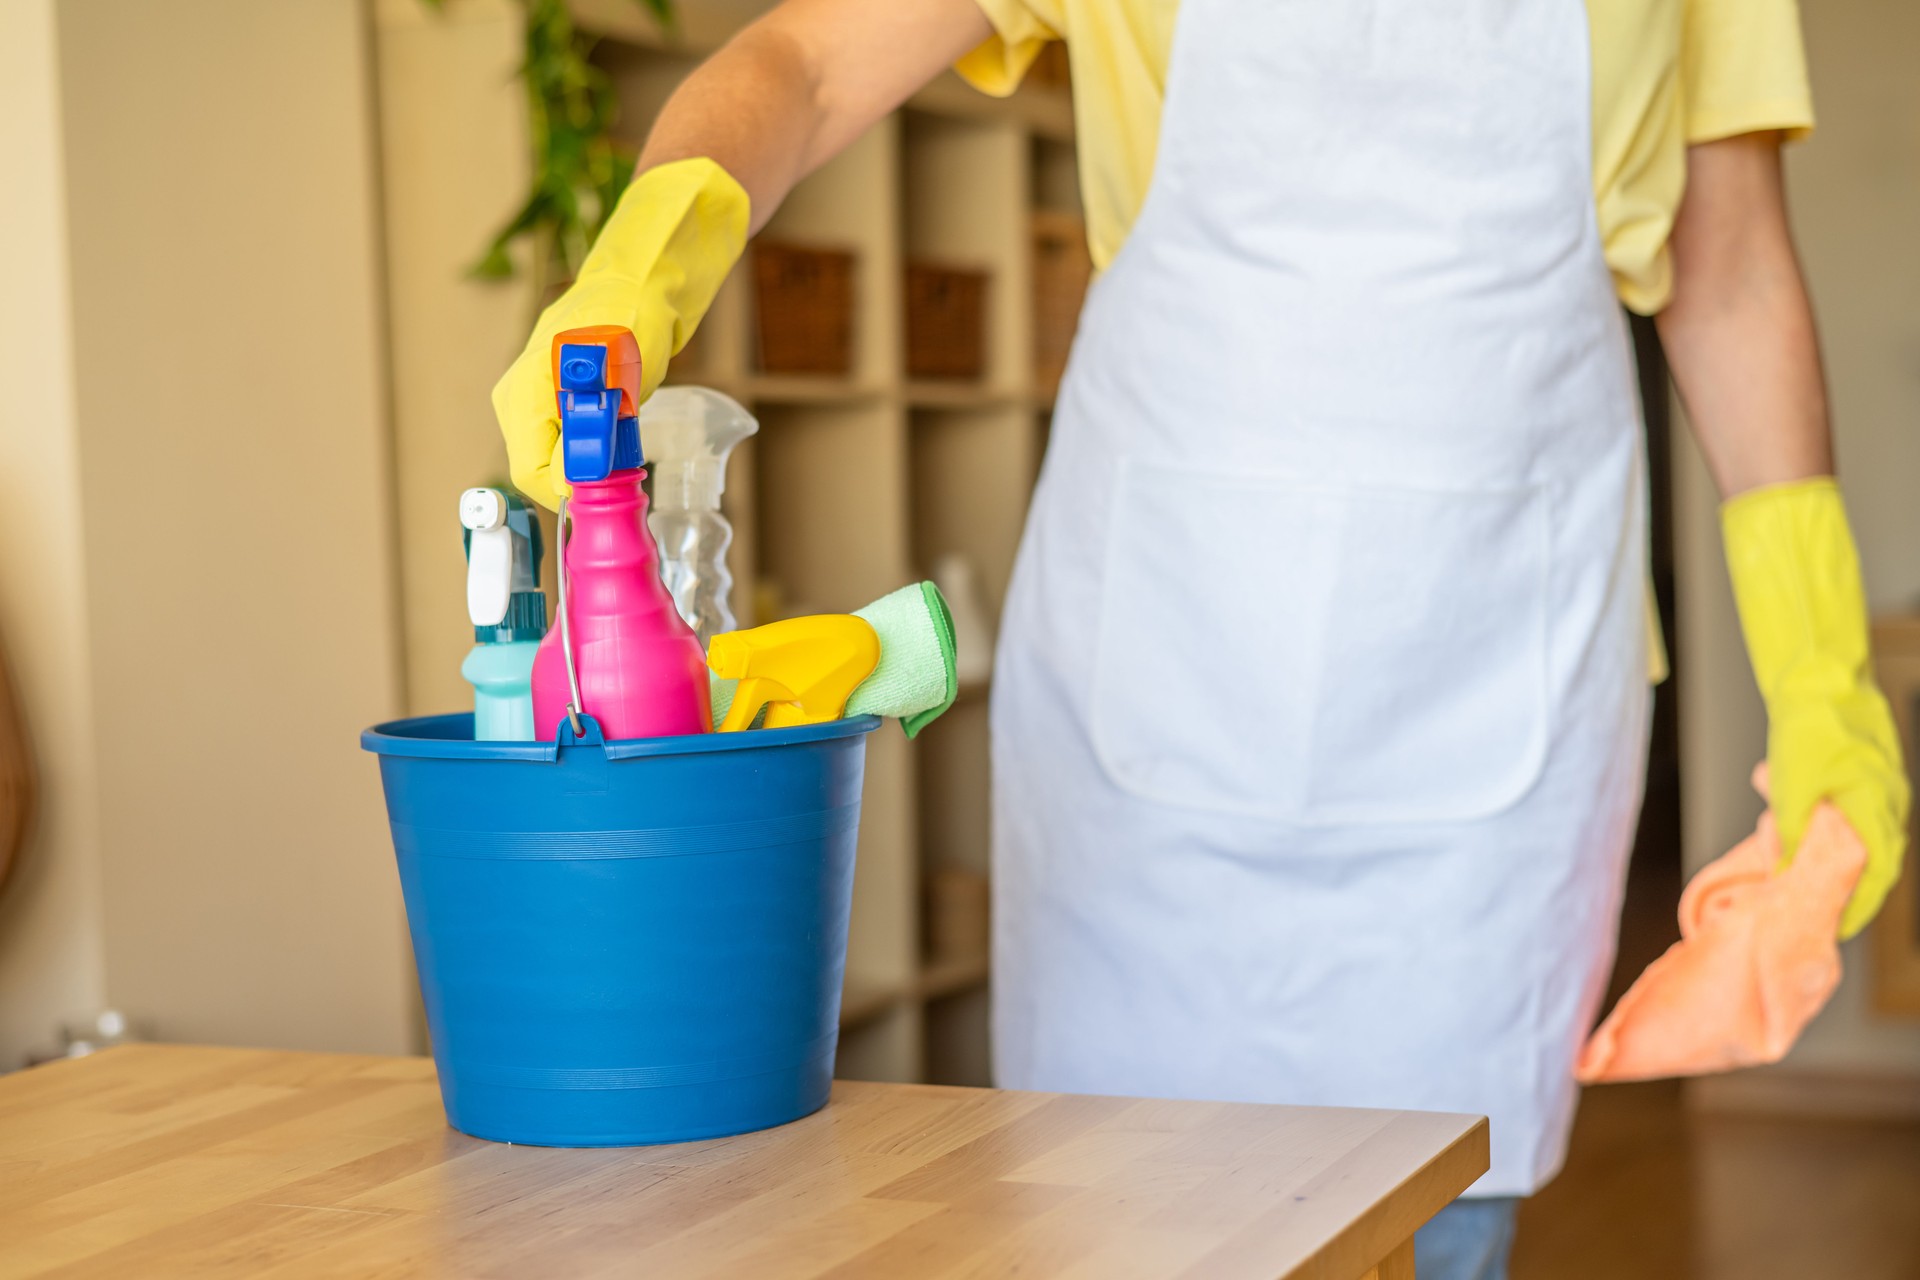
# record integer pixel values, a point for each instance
(1830, 733)
(675, 234)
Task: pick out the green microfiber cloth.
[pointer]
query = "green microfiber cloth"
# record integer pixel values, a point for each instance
(721, 692)
(916, 680)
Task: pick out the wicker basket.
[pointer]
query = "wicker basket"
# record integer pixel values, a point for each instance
(946, 322)
(1062, 269)
(803, 306)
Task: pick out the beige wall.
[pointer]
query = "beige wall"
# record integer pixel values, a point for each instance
(453, 149)
(1856, 205)
(50, 945)
(221, 457)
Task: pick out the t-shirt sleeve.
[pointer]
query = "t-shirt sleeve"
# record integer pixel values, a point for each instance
(1743, 68)
(1020, 28)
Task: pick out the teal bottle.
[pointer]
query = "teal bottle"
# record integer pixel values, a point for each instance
(508, 612)
(501, 673)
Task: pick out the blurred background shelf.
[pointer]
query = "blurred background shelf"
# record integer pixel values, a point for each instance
(860, 1005)
(955, 395)
(951, 976)
(861, 479)
(800, 388)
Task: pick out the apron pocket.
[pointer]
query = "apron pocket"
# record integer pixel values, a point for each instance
(1318, 653)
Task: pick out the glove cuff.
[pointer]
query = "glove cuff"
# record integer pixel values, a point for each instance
(676, 233)
(1796, 580)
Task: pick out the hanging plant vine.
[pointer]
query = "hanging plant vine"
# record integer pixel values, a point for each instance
(578, 171)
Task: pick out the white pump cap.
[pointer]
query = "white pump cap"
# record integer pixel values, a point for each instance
(687, 433)
(489, 556)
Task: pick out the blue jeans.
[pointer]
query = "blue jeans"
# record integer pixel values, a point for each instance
(1467, 1240)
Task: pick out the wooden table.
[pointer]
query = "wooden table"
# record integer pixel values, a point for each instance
(155, 1161)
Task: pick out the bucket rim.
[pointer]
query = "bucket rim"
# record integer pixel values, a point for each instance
(439, 738)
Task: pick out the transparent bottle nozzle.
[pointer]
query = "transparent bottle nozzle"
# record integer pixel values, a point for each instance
(688, 434)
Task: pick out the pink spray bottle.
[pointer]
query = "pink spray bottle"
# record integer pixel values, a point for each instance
(637, 668)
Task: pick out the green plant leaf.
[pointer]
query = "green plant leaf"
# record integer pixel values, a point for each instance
(578, 171)
(495, 264)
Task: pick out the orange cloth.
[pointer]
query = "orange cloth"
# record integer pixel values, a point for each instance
(1758, 957)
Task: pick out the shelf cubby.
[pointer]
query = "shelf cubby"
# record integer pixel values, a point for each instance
(965, 204)
(832, 503)
(972, 473)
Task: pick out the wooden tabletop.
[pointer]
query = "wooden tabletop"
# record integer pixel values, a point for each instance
(156, 1161)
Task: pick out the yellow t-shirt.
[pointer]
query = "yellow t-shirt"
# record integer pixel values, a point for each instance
(1666, 73)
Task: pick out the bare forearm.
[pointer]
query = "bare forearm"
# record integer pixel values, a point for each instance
(797, 86)
(1739, 332)
(752, 109)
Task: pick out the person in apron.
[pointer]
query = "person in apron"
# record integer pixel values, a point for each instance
(1321, 707)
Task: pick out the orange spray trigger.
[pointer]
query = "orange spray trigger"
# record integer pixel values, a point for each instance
(622, 367)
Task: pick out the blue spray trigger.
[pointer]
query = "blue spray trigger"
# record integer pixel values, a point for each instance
(587, 432)
(596, 441)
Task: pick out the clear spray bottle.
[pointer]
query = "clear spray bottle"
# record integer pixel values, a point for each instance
(689, 434)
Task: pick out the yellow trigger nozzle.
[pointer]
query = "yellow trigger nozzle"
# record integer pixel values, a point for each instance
(802, 670)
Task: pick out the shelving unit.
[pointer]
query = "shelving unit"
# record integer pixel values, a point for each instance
(854, 485)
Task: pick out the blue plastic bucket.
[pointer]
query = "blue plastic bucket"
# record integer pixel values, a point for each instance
(626, 942)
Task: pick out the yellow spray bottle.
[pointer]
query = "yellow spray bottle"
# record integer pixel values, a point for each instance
(802, 670)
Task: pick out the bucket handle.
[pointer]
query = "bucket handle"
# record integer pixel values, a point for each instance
(562, 523)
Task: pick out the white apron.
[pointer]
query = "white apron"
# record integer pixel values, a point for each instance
(1320, 712)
